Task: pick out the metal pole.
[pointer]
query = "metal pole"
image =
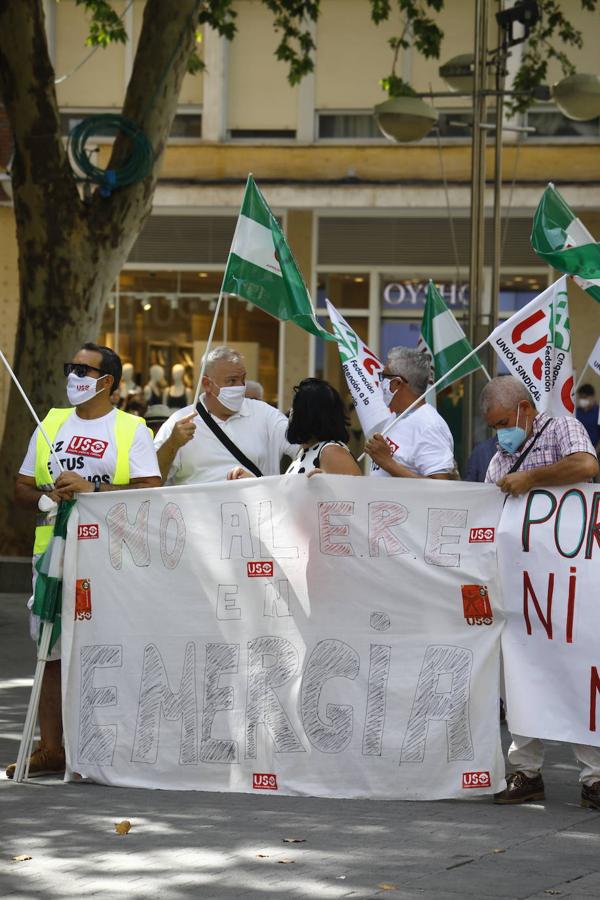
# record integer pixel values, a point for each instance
(477, 205)
(497, 220)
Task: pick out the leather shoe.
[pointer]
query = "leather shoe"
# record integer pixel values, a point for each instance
(520, 788)
(590, 795)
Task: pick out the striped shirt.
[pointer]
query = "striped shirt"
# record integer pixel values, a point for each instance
(563, 436)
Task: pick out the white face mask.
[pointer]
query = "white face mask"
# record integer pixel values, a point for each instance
(388, 395)
(584, 403)
(80, 389)
(232, 397)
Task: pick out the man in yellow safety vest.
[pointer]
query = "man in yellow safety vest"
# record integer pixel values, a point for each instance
(99, 448)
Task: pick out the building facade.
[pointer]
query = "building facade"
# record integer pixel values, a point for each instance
(368, 221)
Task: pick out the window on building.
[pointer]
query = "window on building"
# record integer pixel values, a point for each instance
(550, 122)
(186, 124)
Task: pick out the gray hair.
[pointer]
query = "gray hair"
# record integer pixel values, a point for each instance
(506, 391)
(220, 353)
(411, 364)
(254, 390)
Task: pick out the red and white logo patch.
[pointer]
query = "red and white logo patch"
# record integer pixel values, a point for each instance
(83, 599)
(476, 780)
(260, 569)
(264, 782)
(392, 444)
(86, 446)
(477, 608)
(481, 535)
(88, 532)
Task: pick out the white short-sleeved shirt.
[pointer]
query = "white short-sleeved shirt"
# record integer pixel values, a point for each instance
(422, 442)
(88, 448)
(257, 429)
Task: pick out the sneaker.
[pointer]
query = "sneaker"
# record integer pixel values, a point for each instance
(42, 762)
(520, 788)
(590, 795)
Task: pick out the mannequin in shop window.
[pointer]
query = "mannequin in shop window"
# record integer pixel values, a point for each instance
(127, 387)
(178, 395)
(154, 391)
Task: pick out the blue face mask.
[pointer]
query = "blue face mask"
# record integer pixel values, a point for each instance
(511, 439)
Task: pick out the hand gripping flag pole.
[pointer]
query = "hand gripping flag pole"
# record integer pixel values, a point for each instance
(22, 766)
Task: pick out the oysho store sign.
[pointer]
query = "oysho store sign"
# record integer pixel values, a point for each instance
(412, 294)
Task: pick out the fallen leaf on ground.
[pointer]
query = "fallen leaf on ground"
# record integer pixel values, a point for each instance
(294, 840)
(385, 886)
(123, 827)
(551, 892)
(21, 858)
(499, 850)
(285, 862)
(262, 855)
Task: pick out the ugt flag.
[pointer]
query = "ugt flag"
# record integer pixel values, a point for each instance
(361, 369)
(444, 341)
(564, 242)
(535, 345)
(261, 267)
(47, 600)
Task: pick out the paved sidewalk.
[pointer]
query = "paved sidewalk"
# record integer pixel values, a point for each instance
(226, 846)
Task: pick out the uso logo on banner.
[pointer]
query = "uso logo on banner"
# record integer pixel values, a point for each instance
(89, 532)
(477, 608)
(260, 569)
(476, 780)
(264, 782)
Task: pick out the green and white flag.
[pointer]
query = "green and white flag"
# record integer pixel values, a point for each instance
(444, 341)
(261, 267)
(563, 241)
(47, 602)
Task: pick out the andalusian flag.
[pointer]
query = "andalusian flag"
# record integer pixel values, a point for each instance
(564, 242)
(444, 341)
(261, 267)
(47, 602)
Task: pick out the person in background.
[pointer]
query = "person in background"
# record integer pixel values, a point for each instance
(318, 423)
(536, 450)
(254, 390)
(480, 458)
(419, 445)
(156, 416)
(587, 412)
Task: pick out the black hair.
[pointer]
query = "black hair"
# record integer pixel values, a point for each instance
(586, 390)
(317, 413)
(111, 362)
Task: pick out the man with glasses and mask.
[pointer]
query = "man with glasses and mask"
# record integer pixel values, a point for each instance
(201, 445)
(100, 448)
(420, 445)
(537, 450)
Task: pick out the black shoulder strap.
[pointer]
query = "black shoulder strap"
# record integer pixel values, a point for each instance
(226, 441)
(526, 452)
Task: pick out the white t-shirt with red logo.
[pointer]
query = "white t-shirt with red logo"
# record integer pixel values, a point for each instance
(88, 448)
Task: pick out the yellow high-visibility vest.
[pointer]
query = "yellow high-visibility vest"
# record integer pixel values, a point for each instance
(125, 428)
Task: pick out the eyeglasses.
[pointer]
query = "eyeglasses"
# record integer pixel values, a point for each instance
(80, 369)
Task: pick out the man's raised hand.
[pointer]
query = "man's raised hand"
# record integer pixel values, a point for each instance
(183, 431)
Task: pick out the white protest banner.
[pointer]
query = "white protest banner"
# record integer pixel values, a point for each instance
(535, 345)
(334, 637)
(549, 554)
(361, 369)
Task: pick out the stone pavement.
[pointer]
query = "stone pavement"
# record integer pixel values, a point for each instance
(225, 846)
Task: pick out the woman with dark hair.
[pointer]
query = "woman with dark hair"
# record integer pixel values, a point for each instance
(318, 423)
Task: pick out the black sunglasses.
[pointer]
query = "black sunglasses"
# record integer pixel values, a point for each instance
(80, 369)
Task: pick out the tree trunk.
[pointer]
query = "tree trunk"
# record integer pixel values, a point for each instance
(71, 252)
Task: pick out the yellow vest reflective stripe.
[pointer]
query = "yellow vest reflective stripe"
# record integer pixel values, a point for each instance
(125, 428)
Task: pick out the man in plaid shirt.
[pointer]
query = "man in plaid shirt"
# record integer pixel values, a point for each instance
(560, 453)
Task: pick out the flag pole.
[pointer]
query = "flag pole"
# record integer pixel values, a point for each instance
(22, 766)
(430, 388)
(208, 344)
(32, 411)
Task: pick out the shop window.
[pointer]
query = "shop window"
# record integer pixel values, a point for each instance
(164, 318)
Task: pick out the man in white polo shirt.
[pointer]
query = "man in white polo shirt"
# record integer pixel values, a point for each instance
(189, 452)
(419, 445)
